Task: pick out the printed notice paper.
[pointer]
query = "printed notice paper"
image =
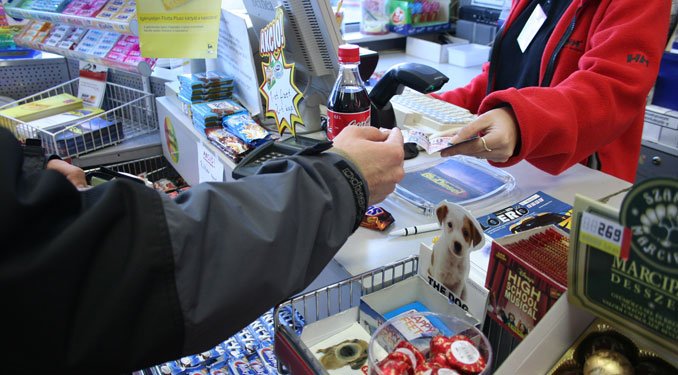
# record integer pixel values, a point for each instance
(209, 166)
(237, 60)
(179, 28)
(92, 84)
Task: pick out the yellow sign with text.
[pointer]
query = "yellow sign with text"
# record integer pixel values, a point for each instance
(179, 28)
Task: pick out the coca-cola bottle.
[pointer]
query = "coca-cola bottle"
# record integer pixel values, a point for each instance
(349, 103)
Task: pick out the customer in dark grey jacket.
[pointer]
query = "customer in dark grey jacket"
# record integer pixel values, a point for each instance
(119, 277)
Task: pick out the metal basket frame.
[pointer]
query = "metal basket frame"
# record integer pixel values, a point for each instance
(154, 168)
(319, 304)
(132, 108)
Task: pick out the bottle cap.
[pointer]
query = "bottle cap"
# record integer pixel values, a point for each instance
(349, 53)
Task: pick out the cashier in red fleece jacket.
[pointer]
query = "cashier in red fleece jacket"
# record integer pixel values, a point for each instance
(574, 92)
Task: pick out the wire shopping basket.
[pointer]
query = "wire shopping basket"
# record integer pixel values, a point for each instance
(127, 113)
(293, 355)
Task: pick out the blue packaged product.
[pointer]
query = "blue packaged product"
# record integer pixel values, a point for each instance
(211, 355)
(219, 368)
(200, 370)
(246, 129)
(204, 80)
(190, 361)
(268, 319)
(233, 348)
(298, 317)
(216, 110)
(171, 368)
(202, 128)
(260, 331)
(190, 101)
(267, 357)
(212, 76)
(247, 341)
(286, 318)
(240, 367)
(217, 352)
(201, 90)
(87, 136)
(194, 97)
(258, 367)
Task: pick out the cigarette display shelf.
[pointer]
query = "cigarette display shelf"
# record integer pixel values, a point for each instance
(143, 68)
(128, 28)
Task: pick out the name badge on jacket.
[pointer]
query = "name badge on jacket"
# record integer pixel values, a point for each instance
(531, 27)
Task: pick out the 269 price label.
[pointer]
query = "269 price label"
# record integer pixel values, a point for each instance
(604, 234)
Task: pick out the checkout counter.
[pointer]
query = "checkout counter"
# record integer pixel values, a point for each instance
(367, 249)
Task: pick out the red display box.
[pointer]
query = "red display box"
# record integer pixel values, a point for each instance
(527, 274)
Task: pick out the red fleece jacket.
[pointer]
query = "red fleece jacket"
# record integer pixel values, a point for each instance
(595, 102)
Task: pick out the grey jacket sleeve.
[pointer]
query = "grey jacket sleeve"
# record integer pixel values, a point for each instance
(242, 247)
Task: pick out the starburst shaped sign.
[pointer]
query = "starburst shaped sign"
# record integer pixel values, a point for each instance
(281, 94)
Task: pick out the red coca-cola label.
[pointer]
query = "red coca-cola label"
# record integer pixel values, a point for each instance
(337, 121)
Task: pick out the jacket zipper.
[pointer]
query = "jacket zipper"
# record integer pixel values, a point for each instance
(493, 60)
(548, 75)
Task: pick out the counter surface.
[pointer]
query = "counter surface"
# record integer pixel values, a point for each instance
(368, 249)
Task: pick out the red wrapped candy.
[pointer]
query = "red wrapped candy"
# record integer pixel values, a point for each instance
(413, 354)
(433, 369)
(393, 366)
(439, 359)
(440, 344)
(464, 356)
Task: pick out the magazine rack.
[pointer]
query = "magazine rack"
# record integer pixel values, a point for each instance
(132, 111)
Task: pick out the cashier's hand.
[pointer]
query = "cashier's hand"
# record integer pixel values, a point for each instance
(377, 153)
(74, 174)
(499, 129)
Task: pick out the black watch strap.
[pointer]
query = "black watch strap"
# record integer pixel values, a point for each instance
(358, 189)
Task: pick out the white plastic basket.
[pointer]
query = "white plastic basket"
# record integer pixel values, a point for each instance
(132, 111)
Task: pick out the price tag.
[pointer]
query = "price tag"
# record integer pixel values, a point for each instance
(605, 234)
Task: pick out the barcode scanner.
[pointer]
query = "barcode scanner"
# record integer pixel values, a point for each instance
(419, 77)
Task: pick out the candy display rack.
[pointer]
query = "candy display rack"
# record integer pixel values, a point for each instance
(142, 67)
(129, 28)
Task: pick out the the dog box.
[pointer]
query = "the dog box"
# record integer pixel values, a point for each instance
(376, 308)
(527, 274)
(476, 293)
(431, 47)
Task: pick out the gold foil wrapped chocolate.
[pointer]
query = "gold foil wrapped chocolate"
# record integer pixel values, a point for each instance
(607, 362)
(603, 350)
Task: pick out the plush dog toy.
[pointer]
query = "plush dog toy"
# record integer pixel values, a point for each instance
(460, 234)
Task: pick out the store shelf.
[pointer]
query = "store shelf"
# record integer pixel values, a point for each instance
(143, 68)
(128, 28)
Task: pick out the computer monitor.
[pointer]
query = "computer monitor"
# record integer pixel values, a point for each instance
(312, 39)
